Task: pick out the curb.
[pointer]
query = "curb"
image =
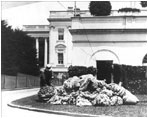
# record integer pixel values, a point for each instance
(54, 112)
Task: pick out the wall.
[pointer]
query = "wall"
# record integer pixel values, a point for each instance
(109, 22)
(113, 47)
(118, 38)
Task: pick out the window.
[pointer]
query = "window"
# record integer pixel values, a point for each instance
(60, 58)
(60, 34)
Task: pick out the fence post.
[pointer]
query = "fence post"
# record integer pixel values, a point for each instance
(26, 81)
(4, 82)
(16, 82)
(34, 82)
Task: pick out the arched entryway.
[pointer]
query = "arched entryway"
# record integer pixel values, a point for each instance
(103, 61)
(103, 54)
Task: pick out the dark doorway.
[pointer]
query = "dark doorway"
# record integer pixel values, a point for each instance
(104, 70)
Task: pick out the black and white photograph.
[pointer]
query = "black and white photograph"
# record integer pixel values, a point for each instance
(73, 58)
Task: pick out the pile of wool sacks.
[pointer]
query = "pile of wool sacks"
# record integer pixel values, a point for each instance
(87, 90)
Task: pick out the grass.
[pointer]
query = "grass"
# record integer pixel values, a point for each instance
(138, 110)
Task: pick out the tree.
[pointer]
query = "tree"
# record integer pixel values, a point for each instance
(8, 50)
(18, 53)
(100, 8)
(143, 3)
(26, 53)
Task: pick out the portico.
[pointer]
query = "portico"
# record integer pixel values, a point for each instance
(41, 35)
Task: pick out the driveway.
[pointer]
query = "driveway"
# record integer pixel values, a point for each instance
(9, 112)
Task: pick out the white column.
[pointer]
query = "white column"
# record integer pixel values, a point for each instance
(37, 47)
(45, 52)
(52, 36)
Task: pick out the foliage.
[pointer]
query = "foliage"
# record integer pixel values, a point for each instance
(145, 59)
(80, 70)
(129, 10)
(18, 52)
(91, 70)
(100, 8)
(133, 77)
(137, 80)
(8, 50)
(26, 53)
(143, 3)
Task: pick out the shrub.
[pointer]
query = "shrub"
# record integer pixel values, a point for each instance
(133, 77)
(100, 8)
(129, 10)
(80, 70)
(91, 70)
(143, 3)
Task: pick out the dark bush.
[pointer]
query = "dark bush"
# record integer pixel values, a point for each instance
(143, 3)
(91, 70)
(80, 70)
(129, 10)
(133, 77)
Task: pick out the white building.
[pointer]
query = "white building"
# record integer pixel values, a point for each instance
(85, 39)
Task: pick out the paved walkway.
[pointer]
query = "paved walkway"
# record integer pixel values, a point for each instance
(9, 112)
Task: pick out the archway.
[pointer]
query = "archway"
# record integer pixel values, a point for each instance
(103, 60)
(103, 54)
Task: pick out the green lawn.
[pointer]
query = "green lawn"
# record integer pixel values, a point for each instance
(139, 110)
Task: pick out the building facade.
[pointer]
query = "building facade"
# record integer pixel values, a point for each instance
(82, 39)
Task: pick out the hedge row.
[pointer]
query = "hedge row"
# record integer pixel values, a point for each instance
(136, 78)
(80, 70)
(129, 10)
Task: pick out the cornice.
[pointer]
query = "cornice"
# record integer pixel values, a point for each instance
(37, 31)
(82, 41)
(116, 16)
(100, 31)
(59, 19)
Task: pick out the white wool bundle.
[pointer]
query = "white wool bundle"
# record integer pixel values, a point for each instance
(72, 82)
(82, 102)
(109, 93)
(116, 100)
(102, 99)
(129, 98)
(118, 90)
(84, 84)
(86, 76)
